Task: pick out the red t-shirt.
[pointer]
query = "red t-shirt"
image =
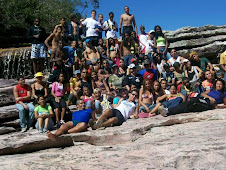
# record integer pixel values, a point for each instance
(22, 92)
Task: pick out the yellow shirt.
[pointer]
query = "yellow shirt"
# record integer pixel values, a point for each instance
(74, 82)
(223, 58)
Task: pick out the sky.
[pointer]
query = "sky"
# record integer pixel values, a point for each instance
(169, 14)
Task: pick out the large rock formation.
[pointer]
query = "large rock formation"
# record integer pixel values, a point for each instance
(208, 40)
(186, 141)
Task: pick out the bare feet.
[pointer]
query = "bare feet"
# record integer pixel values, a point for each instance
(51, 136)
(151, 114)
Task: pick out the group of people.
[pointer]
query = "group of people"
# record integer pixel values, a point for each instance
(111, 81)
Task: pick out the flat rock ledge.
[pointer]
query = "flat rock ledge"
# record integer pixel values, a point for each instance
(130, 131)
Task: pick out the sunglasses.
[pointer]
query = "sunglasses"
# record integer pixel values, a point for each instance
(85, 72)
(134, 94)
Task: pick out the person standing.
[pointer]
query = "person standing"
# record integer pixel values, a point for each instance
(37, 36)
(22, 95)
(127, 20)
(111, 27)
(92, 28)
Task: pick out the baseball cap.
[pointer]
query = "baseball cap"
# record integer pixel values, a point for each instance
(166, 65)
(115, 65)
(185, 60)
(39, 74)
(151, 31)
(147, 61)
(132, 66)
(87, 40)
(77, 72)
(191, 54)
(132, 60)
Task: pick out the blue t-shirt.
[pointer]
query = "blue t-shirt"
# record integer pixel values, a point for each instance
(218, 96)
(69, 52)
(82, 115)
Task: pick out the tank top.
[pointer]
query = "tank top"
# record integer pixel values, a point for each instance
(22, 92)
(161, 42)
(39, 92)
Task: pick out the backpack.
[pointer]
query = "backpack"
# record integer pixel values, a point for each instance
(108, 25)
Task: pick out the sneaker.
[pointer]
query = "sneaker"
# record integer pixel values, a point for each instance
(58, 124)
(98, 124)
(163, 111)
(62, 122)
(30, 128)
(40, 131)
(23, 129)
(45, 130)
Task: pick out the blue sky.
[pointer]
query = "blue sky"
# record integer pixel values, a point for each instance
(170, 15)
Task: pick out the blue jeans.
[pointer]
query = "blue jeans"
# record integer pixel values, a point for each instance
(225, 76)
(127, 59)
(167, 55)
(22, 114)
(150, 107)
(172, 103)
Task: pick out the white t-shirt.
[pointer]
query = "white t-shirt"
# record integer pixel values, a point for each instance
(110, 33)
(91, 24)
(144, 43)
(126, 108)
(172, 60)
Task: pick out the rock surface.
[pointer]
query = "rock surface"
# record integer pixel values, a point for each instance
(208, 40)
(186, 141)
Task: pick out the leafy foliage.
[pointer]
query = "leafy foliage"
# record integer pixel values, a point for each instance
(17, 15)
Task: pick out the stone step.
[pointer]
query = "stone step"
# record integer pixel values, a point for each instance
(12, 123)
(6, 130)
(7, 112)
(131, 130)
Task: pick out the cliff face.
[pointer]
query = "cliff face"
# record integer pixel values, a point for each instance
(208, 40)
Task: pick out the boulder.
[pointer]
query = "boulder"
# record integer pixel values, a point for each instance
(208, 40)
(7, 112)
(186, 141)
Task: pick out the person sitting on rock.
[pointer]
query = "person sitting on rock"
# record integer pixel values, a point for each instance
(202, 63)
(168, 75)
(120, 114)
(91, 53)
(217, 94)
(22, 95)
(208, 83)
(79, 123)
(58, 91)
(39, 88)
(223, 63)
(43, 112)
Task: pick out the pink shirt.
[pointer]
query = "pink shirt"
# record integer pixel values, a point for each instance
(56, 90)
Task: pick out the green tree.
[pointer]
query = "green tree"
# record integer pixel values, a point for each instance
(17, 15)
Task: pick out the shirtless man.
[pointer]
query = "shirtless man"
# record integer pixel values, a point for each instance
(63, 25)
(55, 37)
(125, 49)
(91, 53)
(127, 19)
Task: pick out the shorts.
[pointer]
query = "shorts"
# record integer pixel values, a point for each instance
(38, 51)
(127, 29)
(71, 97)
(150, 107)
(75, 122)
(61, 104)
(90, 63)
(118, 114)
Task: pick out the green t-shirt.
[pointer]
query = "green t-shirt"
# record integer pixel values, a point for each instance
(43, 110)
(203, 63)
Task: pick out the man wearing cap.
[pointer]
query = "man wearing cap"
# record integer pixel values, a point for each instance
(115, 80)
(145, 44)
(202, 63)
(148, 72)
(92, 28)
(22, 95)
(168, 75)
(91, 53)
(132, 78)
